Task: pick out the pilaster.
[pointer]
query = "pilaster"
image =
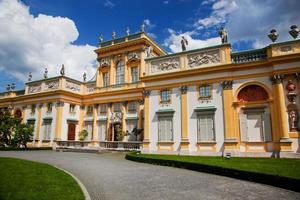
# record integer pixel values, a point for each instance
(95, 127)
(140, 113)
(146, 94)
(58, 123)
(81, 117)
(184, 144)
(124, 125)
(109, 111)
(126, 73)
(231, 138)
(39, 124)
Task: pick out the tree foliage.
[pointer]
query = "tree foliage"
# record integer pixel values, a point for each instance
(12, 131)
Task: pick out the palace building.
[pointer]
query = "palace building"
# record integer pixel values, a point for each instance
(206, 101)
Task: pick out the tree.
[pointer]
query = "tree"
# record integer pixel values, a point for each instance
(8, 124)
(22, 135)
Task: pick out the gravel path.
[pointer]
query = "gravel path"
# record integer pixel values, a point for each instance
(109, 176)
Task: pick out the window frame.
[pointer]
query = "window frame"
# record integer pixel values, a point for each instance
(136, 79)
(105, 76)
(160, 117)
(205, 97)
(120, 72)
(206, 113)
(169, 95)
(130, 106)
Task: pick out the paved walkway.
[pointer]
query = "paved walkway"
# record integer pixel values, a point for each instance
(110, 177)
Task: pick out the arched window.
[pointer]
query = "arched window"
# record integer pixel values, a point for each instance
(120, 72)
(252, 93)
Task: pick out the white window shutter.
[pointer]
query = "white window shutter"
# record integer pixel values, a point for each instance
(267, 127)
(243, 127)
(210, 128)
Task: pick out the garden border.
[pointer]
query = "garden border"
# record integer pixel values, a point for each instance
(277, 181)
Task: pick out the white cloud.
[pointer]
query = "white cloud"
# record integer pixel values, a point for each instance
(108, 3)
(149, 26)
(173, 42)
(166, 2)
(29, 44)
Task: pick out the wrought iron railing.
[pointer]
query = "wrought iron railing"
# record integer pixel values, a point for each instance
(249, 56)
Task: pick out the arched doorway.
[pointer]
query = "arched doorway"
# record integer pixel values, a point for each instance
(254, 113)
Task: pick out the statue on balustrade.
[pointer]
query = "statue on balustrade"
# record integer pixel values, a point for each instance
(184, 43)
(224, 36)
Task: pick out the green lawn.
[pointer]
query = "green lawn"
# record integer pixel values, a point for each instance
(22, 179)
(282, 167)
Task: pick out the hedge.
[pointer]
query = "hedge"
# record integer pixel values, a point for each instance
(24, 149)
(277, 181)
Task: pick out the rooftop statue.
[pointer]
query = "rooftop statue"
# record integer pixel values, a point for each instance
(62, 71)
(184, 43)
(149, 51)
(84, 77)
(46, 73)
(29, 77)
(273, 35)
(224, 36)
(101, 38)
(294, 32)
(127, 31)
(113, 35)
(143, 27)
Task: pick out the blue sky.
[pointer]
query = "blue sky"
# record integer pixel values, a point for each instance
(47, 33)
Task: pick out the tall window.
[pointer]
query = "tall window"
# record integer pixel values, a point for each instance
(205, 91)
(134, 74)
(89, 110)
(102, 130)
(165, 128)
(103, 109)
(105, 79)
(130, 125)
(49, 107)
(132, 107)
(47, 130)
(88, 126)
(117, 107)
(33, 109)
(165, 95)
(72, 108)
(206, 129)
(120, 72)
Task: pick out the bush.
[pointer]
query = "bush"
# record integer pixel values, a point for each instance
(22, 135)
(82, 135)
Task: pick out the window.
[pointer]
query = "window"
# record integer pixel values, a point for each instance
(165, 95)
(72, 108)
(103, 108)
(33, 109)
(102, 130)
(88, 126)
(49, 107)
(117, 107)
(120, 72)
(134, 74)
(132, 107)
(131, 125)
(205, 91)
(165, 128)
(105, 79)
(89, 110)
(47, 130)
(206, 130)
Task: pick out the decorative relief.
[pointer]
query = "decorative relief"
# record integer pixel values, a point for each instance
(105, 62)
(252, 93)
(133, 56)
(286, 49)
(166, 65)
(51, 85)
(206, 58)
(72, 86)
(35, 88)
(90, 88)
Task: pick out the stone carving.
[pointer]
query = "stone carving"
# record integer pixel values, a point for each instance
(211, 57)
(166, 65)
(184, 43)
(104, 62)
(291, 87)
(273, 35)
(51, 85)
(224, 36)
(227, 85)
(293, 120)
(34, 88)
(184, 89)
(72, 86)
(294, 32)
(277, 78)
(90, 88)
(29, 77)
(133, 56)
(146, 93)
(116, 117)
(62, 70)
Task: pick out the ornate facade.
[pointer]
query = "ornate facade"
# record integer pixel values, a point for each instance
(207, 101)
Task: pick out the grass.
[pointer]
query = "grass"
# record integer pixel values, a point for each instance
(22, 179)
(283, 167)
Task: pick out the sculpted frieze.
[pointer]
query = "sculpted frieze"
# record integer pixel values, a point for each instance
(166, 65)
(72, 86)
(205, 58)
(35, 88)
(51, 85)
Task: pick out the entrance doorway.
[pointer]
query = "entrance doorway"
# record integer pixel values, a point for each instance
(71, 131)
(255, 127)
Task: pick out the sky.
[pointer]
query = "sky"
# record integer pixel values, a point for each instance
(39, 34)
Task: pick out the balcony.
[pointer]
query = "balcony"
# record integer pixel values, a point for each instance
(249, 56)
